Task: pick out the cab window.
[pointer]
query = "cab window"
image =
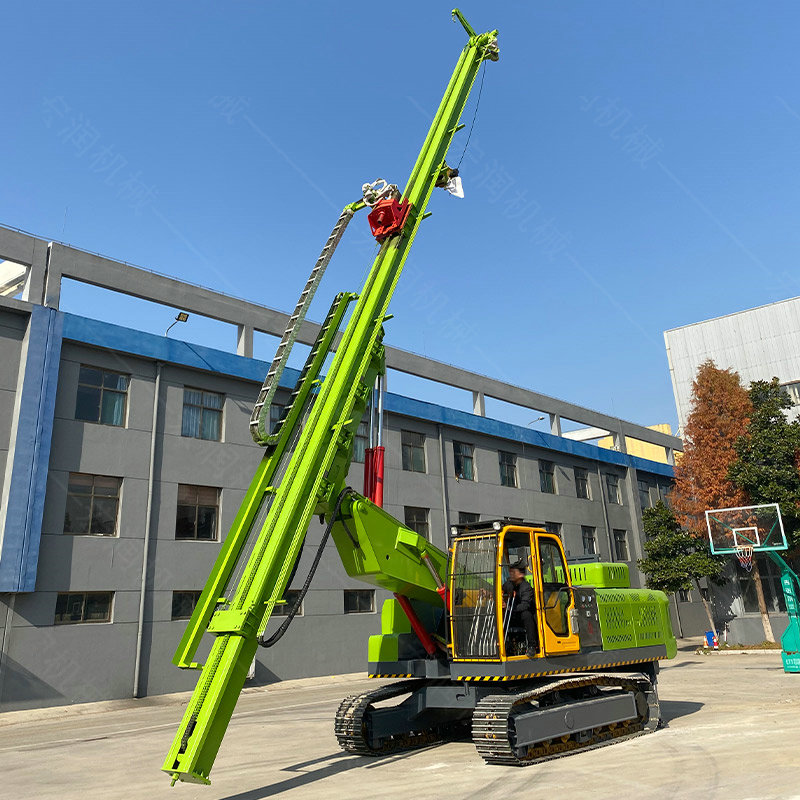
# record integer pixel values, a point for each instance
(555, 590)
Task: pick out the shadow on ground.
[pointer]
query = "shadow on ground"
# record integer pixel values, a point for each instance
(325, 767)
(673, 709)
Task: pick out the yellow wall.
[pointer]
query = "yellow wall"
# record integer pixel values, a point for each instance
(641, 449)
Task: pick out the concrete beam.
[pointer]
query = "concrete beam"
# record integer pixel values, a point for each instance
(17, 246)
(586, 434)
(66, 261)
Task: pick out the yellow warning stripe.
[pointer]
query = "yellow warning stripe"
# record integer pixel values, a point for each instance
(555, 671)
(391, 675)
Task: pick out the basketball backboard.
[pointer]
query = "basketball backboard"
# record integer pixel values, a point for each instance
(757, 527)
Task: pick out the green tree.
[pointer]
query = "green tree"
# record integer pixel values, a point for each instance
(767, 456)
(766, 467)
(675, 558)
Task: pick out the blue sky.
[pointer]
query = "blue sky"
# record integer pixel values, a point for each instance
(633, 168)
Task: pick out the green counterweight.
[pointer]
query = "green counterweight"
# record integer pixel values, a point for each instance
(304, 468)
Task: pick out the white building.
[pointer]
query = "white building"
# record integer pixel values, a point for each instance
(760, 343)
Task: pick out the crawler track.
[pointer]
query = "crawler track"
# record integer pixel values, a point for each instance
(493, 719)
(353, 730)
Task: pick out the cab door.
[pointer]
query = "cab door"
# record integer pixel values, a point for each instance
(554, 599)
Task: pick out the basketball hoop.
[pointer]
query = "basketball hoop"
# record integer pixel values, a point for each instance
(744, 552)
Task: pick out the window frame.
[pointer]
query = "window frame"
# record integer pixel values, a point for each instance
(117, 497)
(547, 469)
(589, 533)
(408, 511)
(197, 506)
(616, 498)
(196, 596)
(555, 529)
(290, 596)
(203, 408)
(644, 487)
(505, 466)
(418, 448)
(361, 441)
(102, 390)
(83, 621)
(581, 476)
(616, 540)
(275, 411)
(363, 592)
(473, 517)
(461, 456)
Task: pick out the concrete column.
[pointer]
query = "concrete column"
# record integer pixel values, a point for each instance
(478, 404)
(244, 340)
(618, 439)
(604, 501)
(52, 286)
(670, 456)
(445, 500)
(33, 292)
(555, 424)
(637, 531)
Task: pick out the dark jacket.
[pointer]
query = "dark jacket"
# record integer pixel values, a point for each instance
(524, 599)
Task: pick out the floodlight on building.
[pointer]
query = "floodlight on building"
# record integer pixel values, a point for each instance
(182, 317)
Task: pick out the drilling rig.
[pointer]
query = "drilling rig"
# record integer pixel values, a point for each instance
(449, 630)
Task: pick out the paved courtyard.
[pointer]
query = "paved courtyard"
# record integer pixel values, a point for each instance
(733, 731)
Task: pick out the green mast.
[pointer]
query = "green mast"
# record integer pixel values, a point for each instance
(306, 463)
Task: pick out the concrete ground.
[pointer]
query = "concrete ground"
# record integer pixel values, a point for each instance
(733, 731)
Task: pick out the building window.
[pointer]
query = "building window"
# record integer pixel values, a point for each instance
(644, 494)
(468, 518)
(582, 483)
(589, 540)
(513, 520)
(83, 607)
(360, 442)
(684, 596)
(612, 487)
(202, 414)
(92, 504)
(359, 601)
(621, 545)
(275, 411)
(290, 596)
(413, 448)
(547, 477)
(198, 508)
(102, 396)
(793, 390)
(183, 604)
(416, 518)
(508, 469)
(463, 460)
(554, 528)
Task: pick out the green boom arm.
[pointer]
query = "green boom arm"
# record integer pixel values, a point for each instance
(304, 470)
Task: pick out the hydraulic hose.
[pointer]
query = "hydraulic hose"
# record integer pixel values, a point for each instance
(275, 638)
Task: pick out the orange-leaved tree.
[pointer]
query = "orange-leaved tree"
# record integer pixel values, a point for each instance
(720, 414)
